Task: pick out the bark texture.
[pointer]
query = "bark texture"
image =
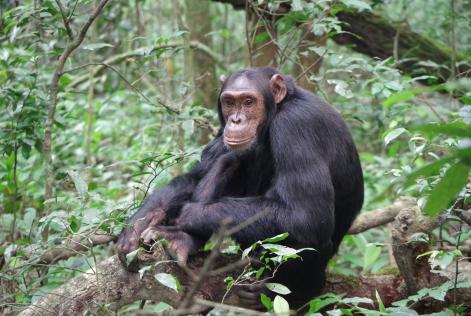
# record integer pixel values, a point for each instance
(109, 284)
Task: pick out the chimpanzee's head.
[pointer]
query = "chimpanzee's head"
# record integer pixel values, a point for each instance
(247, 103)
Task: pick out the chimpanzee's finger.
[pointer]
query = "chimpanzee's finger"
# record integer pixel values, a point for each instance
(250, 300)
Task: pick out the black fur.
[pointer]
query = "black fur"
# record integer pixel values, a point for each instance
(304, 169)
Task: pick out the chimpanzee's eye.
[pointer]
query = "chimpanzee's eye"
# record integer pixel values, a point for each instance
(248, 101)
(229, 103)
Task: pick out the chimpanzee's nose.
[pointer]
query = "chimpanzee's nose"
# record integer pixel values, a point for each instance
(236, 119)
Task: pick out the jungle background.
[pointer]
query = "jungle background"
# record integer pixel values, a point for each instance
(102, 101)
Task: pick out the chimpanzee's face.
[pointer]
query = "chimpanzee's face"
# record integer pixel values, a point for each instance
(243, 111)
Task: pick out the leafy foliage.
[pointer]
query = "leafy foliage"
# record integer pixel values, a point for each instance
(115, 139)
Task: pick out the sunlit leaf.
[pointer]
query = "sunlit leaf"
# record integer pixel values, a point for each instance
(392, 135)
(278, 288)
(168, 280)
(130, 256)
(358, 300)
(276, 238)
(280, 306)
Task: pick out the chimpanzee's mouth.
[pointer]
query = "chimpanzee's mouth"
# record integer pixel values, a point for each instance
(236, 141)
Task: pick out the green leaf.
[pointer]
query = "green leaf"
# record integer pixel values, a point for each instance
(439, 292)
(357, 300)
(280, 306)
(376, 88)
(320, 302)
(357, 4)
(266, 301)
(392, 135)
(380, 302)
(259, 272)
(130, 256)
(168, 280)
(399, 97)
(465, 114)
(246, 252)
(393, 85)
(65, 80)
(283, 250)
(278, 288)
(341, 88)
(161, 307)
(74, 224)
(456, 129)
(80, 185)
(371, 254)
(446, 190)
(427, 170)
(276, 238)
(143, 270)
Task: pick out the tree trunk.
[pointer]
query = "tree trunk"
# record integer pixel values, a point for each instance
(200, 67)
(374, 36)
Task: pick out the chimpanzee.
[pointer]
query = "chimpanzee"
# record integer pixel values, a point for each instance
(279, 150)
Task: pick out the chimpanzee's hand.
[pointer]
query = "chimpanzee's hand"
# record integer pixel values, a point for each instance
(180, 243)
(249, 295)
(129, 239)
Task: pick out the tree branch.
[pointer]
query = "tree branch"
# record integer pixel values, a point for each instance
(71, 46)
(380, 217)
(70, 34)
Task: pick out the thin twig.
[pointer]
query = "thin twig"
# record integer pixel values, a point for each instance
(318, 60)
(431, 107)
(70, 34)
(69, 49)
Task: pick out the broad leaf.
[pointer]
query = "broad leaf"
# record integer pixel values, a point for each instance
(446, 190)
(392, 135)
(168, 280)
(456, 129)
(276, 238)
(427, 171)
(278, 288)
(280, 306)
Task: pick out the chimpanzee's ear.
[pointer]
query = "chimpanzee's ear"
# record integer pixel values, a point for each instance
(222, 79)
(278, 88)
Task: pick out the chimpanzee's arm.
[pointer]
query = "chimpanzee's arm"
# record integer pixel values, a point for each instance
(300, 202)
(165, 203)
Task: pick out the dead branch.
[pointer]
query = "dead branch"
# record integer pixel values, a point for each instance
(415, 269)
(380, 217)
(72, 247)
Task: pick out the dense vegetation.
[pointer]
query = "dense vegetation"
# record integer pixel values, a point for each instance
(101, 101)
